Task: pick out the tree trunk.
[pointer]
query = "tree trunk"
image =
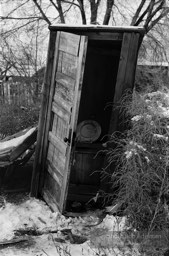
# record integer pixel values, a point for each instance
(82, 11)
(94, 9)
(107, 15)
(60, 10)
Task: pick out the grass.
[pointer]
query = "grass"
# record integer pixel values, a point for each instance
(138, 162)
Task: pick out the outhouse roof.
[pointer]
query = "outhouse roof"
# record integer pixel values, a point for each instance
(99, 28)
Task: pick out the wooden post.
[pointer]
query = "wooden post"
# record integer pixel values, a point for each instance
(43, 116)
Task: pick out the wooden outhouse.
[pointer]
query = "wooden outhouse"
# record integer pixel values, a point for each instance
(88, 70)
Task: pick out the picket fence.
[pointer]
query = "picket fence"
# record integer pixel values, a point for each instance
(18, 93)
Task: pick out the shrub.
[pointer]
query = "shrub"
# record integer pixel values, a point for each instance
(140, 156)
(14, 118)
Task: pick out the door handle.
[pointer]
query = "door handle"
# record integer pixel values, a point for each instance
(68, 139)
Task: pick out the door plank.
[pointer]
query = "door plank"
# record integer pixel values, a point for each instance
(65, 93)
(62, 113)
(120, 82)
(65, 80)
(53, 167)
(67, 64)
(55, 141)
(70, 51)
(38, 169)
(52, 187)
(73, 46)
(67, 106)
(55, 176)
(51, 200)
(78, 87)
(132, 61)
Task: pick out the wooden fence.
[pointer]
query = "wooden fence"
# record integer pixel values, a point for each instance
(18, 93)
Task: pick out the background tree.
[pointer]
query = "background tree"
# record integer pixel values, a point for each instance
(23, 17)
(24, 25)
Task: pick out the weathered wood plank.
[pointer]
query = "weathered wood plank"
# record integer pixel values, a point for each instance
(61, 129)
(105, 36)
(120, 82)
(39, 154)
(51, 150)
(59, 66)
(69, 43)
(52, 187)
(122, 67)
(64, 93)
(65, 81)
(53, 48)
(78, 87)
(65, 105)
(58, 143)
(59, 162)
(59, 111)
(68, 65)
(96, 28)
(53, 204)
(53, 167)
(131, 62)
(58, 178)
(54, 125)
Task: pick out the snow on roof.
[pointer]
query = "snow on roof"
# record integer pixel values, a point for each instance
(97, 27)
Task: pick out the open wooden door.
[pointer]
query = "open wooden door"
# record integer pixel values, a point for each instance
(68, 69)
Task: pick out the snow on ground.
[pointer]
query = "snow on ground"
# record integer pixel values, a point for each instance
(33, 214)
(9, 144)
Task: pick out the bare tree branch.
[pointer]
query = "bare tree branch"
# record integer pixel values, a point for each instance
(42, 12)
(68, 2)
(154, 22)
(16, 28)
(81, 8)
(82, 11)
(60, 10)
(140, 19)
(150, 9)
(56, 7)
(137, 13)
(20, 18)
(19, 6)
(150, 17)
(109, 6)
(94, 10)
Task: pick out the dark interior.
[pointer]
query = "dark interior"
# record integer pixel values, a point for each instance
(101, 67)
(99, 81)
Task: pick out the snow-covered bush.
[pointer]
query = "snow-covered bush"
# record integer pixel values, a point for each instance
(140, 161)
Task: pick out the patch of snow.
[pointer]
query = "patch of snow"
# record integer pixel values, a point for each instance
(34, 213)
(149, 117)
(113, 223)
(132, 148)
(133, 143)
(130, 152)
(30, 214)
(160, 136)
(147, 159)
(16, 141)
(136, 118)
